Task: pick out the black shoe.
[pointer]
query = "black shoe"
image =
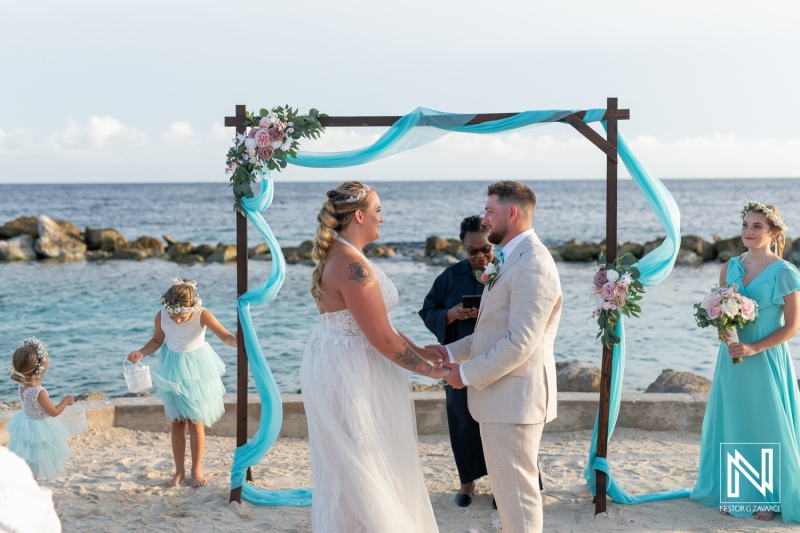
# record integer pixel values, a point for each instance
(494, 503)
(463, 500)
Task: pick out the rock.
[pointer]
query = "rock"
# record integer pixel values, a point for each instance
(133, 254)
(787, 248)
(454, 248)
(688, 258)
(90, 396)
(555, 253)
(290, 255)
(144, 394)
(55, 243)
(671, 381)
(727, 248)
(422, 387)
(580, 251)
(70, 229)
(380, 250)
(169, 240)
(637, 250)
(261, 249)
(435, 245)
(10, 406)
(304, 250)
(261, 257)
(443, 260)
(577, 376)
(188, 259)
(107, 239)
(20, 226)
(150, 244)
(794, 252)
(97, 255)
(205, 250)
(650, 246)
(19, 248)
(224, 253)
(704, 249)
(180, 248)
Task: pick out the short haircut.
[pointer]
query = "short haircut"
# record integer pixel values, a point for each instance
(514, 192)
(472, 225)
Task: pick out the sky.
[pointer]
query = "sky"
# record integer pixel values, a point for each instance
(136, 91)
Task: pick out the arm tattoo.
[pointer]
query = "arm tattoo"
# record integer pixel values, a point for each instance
(409, 360)
(361, 273)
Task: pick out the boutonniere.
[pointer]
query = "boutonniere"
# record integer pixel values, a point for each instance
(488, 275)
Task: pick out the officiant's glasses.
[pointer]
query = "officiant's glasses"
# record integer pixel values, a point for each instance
(485, 250)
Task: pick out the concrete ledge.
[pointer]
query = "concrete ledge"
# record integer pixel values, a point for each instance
(576, 411)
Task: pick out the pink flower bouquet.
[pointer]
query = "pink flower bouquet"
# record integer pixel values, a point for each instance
(617, 291)
(726, 309)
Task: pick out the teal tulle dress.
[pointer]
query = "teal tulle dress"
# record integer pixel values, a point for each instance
(38, 438)
(188, 377)
(756, 402)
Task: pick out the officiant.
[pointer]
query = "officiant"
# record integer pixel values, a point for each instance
(446, 316)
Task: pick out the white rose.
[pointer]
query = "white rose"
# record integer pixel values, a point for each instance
(612, 275)
(490, 269)
(706, 300)
(731, 307)
(276, 144)
(599, 300)
(250, 143)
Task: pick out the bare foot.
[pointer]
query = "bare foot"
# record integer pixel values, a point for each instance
(176, 480)
(724, 510)
(765, 516)
(198, 479)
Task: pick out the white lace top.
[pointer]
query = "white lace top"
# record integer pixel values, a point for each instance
(185, 337)
(342, 322)
(30, 404)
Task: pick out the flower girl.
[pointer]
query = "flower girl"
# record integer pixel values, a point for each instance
(188, 379)
(34, 432)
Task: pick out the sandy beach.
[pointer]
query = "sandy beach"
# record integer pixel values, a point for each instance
(115, 478)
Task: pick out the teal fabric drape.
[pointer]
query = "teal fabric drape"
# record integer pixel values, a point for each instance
(415, 129)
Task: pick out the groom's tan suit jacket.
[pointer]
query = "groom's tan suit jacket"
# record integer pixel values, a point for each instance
(508, 360)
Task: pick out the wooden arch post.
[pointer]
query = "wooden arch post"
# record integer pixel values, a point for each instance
(607, 145)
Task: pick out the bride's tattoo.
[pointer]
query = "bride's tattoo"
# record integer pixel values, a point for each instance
(361, 273)
(409, 360)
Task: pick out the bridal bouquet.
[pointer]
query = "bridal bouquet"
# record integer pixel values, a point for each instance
(272, 137)
(617, 291)
(726, 309)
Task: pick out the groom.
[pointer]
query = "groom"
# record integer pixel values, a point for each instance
(508, 361)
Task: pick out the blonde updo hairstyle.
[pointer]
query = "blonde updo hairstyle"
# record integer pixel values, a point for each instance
(25, 361)
(336, 213)
(181, 294)
(777, 243)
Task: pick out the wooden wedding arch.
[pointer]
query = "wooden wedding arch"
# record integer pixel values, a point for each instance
(607, 145)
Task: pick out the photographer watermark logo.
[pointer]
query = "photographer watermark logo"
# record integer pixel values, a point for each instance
(750, 476)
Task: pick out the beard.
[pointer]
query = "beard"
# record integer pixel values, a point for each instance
(496, 235)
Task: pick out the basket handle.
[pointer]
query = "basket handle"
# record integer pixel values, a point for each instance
(126, 361)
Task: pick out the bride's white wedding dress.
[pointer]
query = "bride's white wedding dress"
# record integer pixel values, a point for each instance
(365, 465)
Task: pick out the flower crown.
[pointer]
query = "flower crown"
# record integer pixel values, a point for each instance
(360, 196)
(176, 309)
(771, 215)
(41, 357)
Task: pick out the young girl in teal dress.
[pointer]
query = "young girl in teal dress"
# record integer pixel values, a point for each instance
(188, 379)
(35, 434)
(757, 400)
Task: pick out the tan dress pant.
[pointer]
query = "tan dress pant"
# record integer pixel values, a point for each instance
(511, 451)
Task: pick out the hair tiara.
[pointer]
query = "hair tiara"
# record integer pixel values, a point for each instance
(176, 309)
(360, 196)
(41, 356)
(771, 215)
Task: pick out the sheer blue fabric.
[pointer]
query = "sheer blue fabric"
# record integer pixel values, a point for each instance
(420, 127)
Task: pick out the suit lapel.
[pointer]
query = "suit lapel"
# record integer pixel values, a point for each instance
(521, 249)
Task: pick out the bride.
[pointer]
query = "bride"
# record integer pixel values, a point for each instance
(365, 466)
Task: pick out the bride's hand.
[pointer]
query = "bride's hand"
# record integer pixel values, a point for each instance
(439, 372)
(431, 355)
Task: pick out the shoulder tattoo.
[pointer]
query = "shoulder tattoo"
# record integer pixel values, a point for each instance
(362, 273)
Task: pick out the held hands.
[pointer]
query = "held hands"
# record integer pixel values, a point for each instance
(439, 372)
(135, 356)
(454, 377)
(430, 355)
(459, 312)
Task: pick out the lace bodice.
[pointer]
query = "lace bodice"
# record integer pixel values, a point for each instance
(184, 337)
(30, 403)
(342, 322)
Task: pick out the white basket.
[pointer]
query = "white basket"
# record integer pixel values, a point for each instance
(138, 377)
(74, 419)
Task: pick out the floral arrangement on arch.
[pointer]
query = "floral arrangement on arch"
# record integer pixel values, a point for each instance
(272, 136)
(617, 291)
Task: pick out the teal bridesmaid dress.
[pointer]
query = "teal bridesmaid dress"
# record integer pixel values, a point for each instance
(756, 401)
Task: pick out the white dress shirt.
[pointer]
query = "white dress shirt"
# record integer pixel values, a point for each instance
(507, 249)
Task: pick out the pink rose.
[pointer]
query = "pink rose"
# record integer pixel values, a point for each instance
(262, 138)
(276, 133)
(714, 311)
(748, 309)
(252, 133)
(715, 300)
(607, 306)
(600, 278)
(231, 168)
(608, 291)
(266, 153)
(622, 287)
(264, 122)
(619, 300)
(484, 277)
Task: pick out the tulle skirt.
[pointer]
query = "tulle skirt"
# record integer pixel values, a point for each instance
(42, 443)
(189, 384)
(365, 466)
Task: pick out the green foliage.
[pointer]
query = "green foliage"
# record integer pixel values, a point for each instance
(627, 273)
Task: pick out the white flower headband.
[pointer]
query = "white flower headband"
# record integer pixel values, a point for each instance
(175, 309)
(360, 196)
(771, 215)
(41, 356)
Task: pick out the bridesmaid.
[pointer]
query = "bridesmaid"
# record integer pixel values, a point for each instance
(450, 321)
(757, 400)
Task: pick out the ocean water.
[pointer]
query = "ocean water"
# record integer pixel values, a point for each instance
(92, 314)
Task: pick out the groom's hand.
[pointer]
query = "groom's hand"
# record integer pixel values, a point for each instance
(440, 349)
(454, 377)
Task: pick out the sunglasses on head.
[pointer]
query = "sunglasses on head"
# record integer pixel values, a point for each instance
(485, 250)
